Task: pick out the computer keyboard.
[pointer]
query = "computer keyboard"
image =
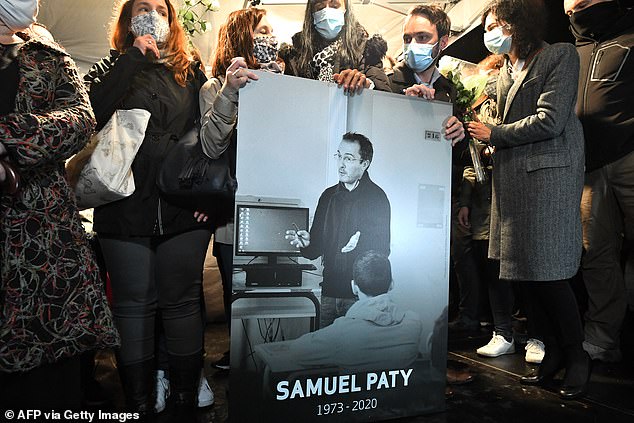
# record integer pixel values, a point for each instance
(278, 266)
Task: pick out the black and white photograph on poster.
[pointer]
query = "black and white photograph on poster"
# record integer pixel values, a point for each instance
(341, 254)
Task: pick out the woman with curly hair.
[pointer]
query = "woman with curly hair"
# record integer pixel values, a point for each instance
(154, 249)
(537, 183)
(333, 46)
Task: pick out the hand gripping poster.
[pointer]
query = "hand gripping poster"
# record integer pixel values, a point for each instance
(341, 254)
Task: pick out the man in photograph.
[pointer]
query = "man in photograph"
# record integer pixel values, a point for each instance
(374, 334)
(351, 218)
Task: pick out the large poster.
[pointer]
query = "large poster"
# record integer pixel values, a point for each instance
(341, 254)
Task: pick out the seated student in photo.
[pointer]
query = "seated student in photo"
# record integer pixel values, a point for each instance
(374, 334)
(352, 217)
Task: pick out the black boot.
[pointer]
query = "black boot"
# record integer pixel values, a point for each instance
(184, 381)
(138, 382)
(552, 363)
(578, 364)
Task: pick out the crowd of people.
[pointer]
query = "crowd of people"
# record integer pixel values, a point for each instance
(558, 137)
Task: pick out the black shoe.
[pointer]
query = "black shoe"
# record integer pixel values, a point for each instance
(534, 379)
(552, 363)
(224, 362)
(578, 371)
(573, 392)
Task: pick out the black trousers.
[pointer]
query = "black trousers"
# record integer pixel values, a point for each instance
(500, 292)
(224, 256)
(152, 273)
(554, 311)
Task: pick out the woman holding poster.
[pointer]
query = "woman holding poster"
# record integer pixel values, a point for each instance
(334, 47)
(245, 41)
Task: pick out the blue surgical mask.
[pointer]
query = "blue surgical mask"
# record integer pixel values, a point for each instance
(496, 42)
(419, 57)
(328, 22)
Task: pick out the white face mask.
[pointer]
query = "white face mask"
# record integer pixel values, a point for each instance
(151, 23)
(16, 16)
(496, 42)
(328, 22)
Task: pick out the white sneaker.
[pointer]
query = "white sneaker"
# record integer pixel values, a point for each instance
(205, 394)
(162, 391)
(534, 351)
(497, 346)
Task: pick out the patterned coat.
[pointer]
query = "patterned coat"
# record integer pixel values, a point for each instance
(51, 302)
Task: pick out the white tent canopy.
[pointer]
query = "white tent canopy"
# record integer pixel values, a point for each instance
(81, 26)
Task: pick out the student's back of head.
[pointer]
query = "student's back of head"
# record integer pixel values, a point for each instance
(372, 273)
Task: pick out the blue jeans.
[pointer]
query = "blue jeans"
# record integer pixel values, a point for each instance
(332, 307)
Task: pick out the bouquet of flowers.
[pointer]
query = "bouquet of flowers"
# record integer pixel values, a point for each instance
(468, 89)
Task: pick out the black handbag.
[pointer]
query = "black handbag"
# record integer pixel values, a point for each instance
(187, 174)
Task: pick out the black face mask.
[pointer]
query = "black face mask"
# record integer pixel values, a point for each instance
(595, 21)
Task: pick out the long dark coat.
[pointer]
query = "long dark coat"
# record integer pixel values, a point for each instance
(538, 169)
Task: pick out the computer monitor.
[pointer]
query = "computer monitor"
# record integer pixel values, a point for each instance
(261, 230)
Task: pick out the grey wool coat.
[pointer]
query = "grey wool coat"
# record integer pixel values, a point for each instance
(538, 169)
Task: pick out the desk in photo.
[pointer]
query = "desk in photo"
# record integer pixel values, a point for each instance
(248, 302)
(275, 303)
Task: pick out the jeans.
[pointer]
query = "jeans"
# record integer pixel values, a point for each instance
(500, 291)
(149, 274)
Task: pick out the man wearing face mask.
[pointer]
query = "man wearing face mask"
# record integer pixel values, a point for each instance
(604, 31)
(334, 47)
(425, 35)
